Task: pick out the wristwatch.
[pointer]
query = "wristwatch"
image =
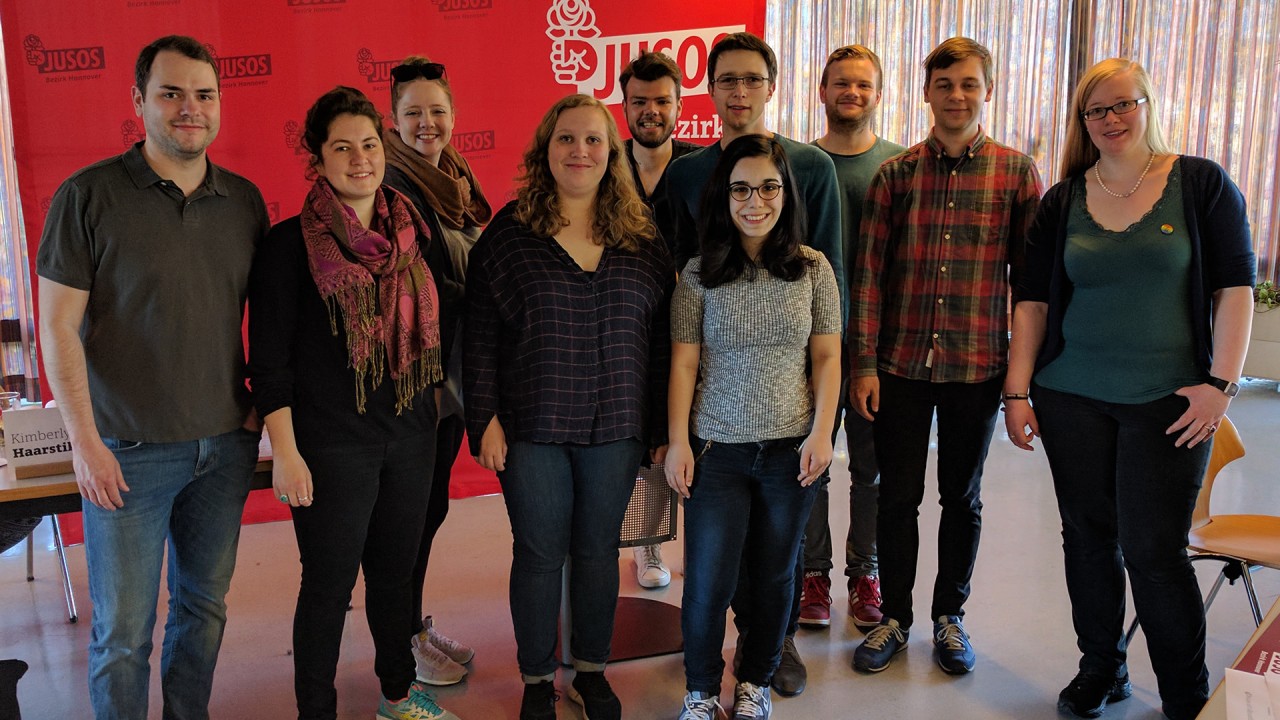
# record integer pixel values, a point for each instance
(1227, 387)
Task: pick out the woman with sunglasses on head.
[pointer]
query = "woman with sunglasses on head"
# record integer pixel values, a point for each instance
(344, 348)
(427, 169)
(1127, 393)
(564, 371)
(755, 380)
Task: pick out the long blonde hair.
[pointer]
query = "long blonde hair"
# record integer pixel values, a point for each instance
(1079, 152)
(620, 218)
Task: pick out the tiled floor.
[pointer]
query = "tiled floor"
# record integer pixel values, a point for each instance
(1018, 615)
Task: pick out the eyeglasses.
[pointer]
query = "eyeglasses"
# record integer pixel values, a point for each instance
(730, 82)
(1124, 107)
(426, 71)
(742, 191)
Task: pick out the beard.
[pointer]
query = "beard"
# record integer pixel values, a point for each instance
(848, 125)
(651, 144)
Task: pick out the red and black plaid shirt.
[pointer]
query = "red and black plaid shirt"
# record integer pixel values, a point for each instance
(939, 239)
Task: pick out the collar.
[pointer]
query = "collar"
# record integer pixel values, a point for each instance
(973, 148)
(143, 175)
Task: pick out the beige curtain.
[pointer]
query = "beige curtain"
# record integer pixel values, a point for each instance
(17, 329)
(1216, 64)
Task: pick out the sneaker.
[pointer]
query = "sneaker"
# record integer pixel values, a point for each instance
(955, 653)
(457, 652)
(650, 570)
(539, 701)
(592, 692)
(791, 676)
(420, 705)
(883, 642)
(701, 706)
(815, 600)
(433, 666)
(751, 702)
(1088, 694)
(864, 602)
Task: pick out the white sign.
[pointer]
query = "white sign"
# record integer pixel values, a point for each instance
(36, 442)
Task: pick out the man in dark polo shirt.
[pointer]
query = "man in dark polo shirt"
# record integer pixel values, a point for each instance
(143, 267)
(651, 100)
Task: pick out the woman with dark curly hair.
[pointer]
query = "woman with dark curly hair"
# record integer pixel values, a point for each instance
(750, 430)
(564, 371)
(344, 338)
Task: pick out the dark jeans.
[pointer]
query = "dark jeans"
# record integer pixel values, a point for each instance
(966, 417)
(1126, 494)
(449, 434)
(860, 542)
(745, 502)
(367, 512)
(566, 501)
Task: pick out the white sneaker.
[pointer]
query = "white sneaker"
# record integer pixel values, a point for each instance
(433, 666)
(701, 706)
(650, 571)
(457, 652)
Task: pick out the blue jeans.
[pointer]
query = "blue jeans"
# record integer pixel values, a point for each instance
(566, 501)
(189, 495)
(1125, 494)
(745, 500)
(966, 418)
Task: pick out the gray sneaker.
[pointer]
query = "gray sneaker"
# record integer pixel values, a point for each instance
(701, 706)
(751, 702)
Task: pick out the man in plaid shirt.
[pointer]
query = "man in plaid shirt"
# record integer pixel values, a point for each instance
(943, 226)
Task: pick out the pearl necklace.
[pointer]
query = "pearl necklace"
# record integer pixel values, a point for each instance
(1098, 176)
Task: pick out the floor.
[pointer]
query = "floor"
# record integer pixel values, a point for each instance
(1018, 614)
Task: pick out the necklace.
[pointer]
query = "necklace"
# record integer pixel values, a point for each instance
(1098, 176)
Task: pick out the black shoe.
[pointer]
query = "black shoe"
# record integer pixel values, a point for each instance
(592, 692)
(1088, 694)
(791, 676)
(539, 701)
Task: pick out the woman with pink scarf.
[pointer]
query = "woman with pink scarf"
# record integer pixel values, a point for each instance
(344, 351)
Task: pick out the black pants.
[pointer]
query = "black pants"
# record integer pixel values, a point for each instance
(449, 434)
(966, 417)
(1126, 494)
(368, 511)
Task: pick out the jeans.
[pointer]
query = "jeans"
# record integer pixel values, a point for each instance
(188, 496)
(449, 433)
(966, 417)
(1125, 494)
(566, 501)
(367, 512)
(745, 502)
(864, 493)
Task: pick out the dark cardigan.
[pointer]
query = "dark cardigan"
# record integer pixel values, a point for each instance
(1221, 252)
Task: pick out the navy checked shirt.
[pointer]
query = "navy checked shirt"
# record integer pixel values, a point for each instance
(559, 354)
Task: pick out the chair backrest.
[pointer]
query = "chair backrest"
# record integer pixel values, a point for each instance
(1227, 446)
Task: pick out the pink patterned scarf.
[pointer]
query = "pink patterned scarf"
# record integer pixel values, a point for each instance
(381, 285)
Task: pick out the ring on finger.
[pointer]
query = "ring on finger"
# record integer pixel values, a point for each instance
(284, 498)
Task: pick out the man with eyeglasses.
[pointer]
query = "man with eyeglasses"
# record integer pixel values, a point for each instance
(742, 73)
(850, 90)
(943, 227)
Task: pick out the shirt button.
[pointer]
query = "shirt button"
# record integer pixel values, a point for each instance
(946, 236)
(953, 172)
(951, 204)
(939, 301)
(944, 268)
(935, 336)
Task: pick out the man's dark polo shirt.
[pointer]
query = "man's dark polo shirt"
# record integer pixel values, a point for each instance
(167, 277)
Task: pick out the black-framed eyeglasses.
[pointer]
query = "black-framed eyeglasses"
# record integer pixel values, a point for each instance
(1124, 107)
(729, 82)
(742, 192)
(426, 71)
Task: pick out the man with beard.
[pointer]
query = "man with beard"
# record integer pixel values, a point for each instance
(651, 99)
(742, 74)
(851, 86)
(144, 267)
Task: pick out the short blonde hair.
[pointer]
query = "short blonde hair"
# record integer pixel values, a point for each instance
(1079, 152)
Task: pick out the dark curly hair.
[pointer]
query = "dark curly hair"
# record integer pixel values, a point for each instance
(341, 100)
(723, 257)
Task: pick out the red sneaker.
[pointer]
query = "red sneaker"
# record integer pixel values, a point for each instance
(815, 600)
(864, 602)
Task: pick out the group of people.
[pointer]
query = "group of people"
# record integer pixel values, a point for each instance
(717, 310)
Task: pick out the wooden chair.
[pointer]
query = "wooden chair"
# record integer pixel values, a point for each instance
(1242, 543)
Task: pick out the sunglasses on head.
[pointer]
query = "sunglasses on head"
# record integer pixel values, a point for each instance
(426, 71)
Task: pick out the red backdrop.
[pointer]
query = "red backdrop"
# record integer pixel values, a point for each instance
(70, 67)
